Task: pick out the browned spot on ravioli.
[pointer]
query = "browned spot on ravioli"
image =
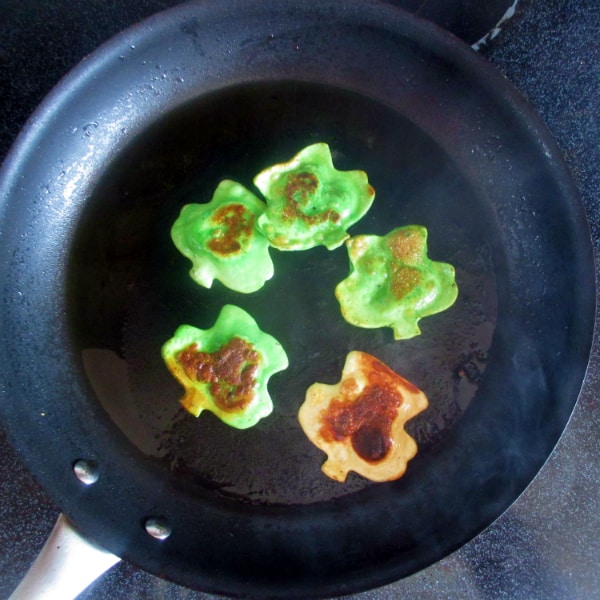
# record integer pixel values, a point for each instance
(236, 225)
(298, 190)
(406, 246)
(231, 371)
(403, 280)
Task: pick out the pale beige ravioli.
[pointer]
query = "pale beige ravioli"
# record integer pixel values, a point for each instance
(359, 421)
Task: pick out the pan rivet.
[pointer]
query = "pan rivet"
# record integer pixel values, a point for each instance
(158, 528)
(86, 471)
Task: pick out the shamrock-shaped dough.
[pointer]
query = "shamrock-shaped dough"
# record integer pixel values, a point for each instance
(359, 422)
(222, 240)
(225, 369)
(309, 202)
(392, 282)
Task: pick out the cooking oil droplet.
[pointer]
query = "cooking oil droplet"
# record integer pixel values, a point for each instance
(89, 128)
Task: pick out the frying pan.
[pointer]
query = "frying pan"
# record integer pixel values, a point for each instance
(92, 287)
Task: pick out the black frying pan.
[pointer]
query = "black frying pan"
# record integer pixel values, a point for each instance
(92, 287)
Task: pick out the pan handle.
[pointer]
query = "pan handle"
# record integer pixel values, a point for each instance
(65, 566)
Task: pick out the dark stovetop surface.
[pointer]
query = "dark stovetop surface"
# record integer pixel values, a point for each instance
(547, 544)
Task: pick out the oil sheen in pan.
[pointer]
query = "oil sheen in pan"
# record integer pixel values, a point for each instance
(129, 287)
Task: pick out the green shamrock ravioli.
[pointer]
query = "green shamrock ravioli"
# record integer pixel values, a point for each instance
(309, 202)
(392, 282)
(225, 369)
(222, 241)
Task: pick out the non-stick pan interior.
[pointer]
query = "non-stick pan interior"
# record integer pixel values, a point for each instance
(129, 289)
